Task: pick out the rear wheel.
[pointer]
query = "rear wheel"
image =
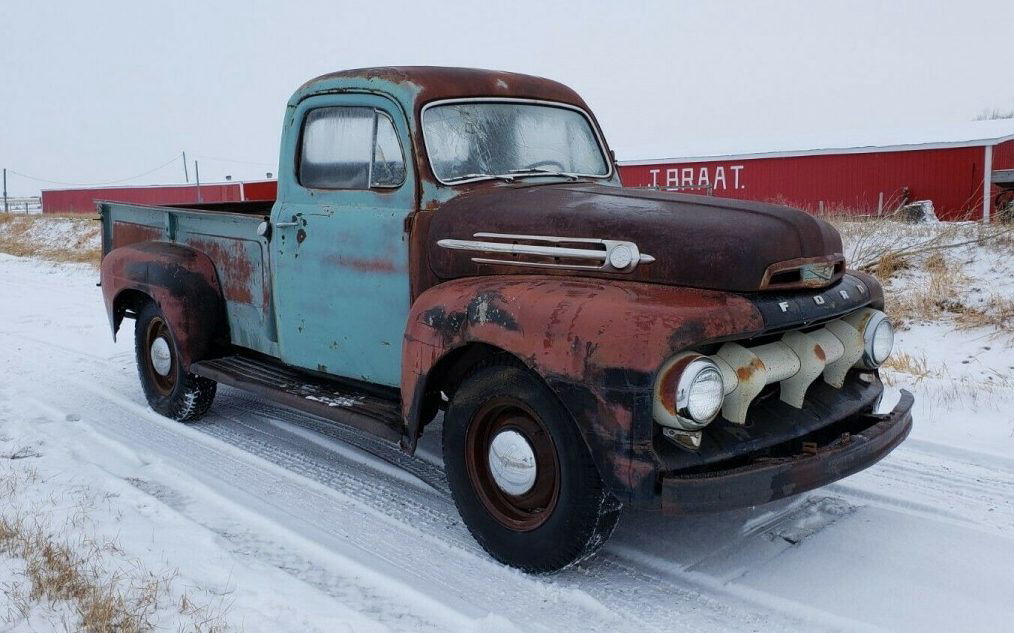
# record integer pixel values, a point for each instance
(520, 473)
(169, 388)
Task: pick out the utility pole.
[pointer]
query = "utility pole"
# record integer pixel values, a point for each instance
(5, 190)
(197, 175)
(186, 176)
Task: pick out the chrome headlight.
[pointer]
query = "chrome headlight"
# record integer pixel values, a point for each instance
(878, 341)
(689, 392)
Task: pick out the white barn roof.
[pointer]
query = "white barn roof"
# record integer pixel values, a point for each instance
(968, 134)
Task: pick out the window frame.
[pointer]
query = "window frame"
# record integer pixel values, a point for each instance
(606, 156)
(377, 113)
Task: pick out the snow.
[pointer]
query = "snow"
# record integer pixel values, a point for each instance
(276, 521)
(51, 234)
(958, 134)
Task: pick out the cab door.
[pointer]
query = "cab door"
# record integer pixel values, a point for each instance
(340, 263)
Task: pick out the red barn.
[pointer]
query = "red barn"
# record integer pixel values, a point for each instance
(958, 169)
(83, 200)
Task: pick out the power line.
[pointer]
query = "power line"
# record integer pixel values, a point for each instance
(95, 184)
(206, 157)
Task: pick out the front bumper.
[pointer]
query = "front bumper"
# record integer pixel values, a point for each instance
(769, 479)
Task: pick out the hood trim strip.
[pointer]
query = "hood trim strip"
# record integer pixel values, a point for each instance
(507, 244)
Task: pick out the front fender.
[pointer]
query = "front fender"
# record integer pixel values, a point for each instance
(183, 283)
(597, 343)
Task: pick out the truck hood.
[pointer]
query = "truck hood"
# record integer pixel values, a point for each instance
(696, 241)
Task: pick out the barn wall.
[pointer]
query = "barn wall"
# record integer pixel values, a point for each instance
(261, 190)
(1003, 155)
(1003, 158)
(83, 200)
(951, 178)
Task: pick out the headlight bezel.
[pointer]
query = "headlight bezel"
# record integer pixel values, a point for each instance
(693, 375)
(692, 369)
(873, 326)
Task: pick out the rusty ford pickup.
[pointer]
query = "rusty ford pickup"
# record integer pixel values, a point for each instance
(457, 241)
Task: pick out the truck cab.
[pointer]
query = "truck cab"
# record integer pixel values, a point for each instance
(458, 241)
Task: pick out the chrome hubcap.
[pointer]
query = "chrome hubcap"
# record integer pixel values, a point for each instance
(512, 463)
(161, 358)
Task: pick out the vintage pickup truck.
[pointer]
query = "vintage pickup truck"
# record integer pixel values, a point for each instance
(457, 240)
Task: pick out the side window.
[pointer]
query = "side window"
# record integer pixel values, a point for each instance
(350, 148)
(388, 161)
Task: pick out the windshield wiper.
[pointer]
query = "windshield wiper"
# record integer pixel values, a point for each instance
(538, 171)
(504, 177)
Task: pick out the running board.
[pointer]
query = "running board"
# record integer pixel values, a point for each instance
(323, 398)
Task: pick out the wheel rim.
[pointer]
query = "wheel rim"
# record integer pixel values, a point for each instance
(513, 465)
(161, 363)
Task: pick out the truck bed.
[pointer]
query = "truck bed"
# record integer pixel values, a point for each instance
(224, 232)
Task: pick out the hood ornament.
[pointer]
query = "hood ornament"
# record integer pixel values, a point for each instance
(544, 251)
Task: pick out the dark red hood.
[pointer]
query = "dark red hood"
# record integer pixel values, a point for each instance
(697, 241)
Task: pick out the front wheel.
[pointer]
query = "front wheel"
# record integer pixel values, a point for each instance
(520, 473)
(170, 389)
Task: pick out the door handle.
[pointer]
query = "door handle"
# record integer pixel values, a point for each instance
(282, 225)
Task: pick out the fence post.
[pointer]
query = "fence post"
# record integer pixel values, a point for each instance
(987, 183)
(5, 190)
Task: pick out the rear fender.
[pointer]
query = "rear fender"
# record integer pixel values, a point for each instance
(183, 283)
(597, 343)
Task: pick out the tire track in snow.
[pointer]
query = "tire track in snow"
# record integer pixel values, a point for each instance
(333, 436)
(606, 594)
(958, 493)
(255, 524)
(663, 578)
(611, 580)
(457, 574)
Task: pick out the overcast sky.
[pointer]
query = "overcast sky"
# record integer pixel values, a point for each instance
(100, 91)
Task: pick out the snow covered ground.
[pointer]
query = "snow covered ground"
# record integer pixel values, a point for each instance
(260, 519)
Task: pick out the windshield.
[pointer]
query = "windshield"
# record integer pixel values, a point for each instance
(481, 139)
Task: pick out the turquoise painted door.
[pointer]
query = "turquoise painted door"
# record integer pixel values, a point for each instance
(340, 252)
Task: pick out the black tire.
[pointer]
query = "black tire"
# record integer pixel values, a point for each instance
(176, 393)
(555, 523)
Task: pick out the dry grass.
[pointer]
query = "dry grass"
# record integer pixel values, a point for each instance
(56, 570)
(901, 361)
(889, 264)
(996, 313)
(869, 240)
(933, 263)
(936, 296)
(28, 236)
(105, 591)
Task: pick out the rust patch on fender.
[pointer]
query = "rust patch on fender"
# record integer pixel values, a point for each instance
(234, 267)
(607, 338)
(181, 281)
